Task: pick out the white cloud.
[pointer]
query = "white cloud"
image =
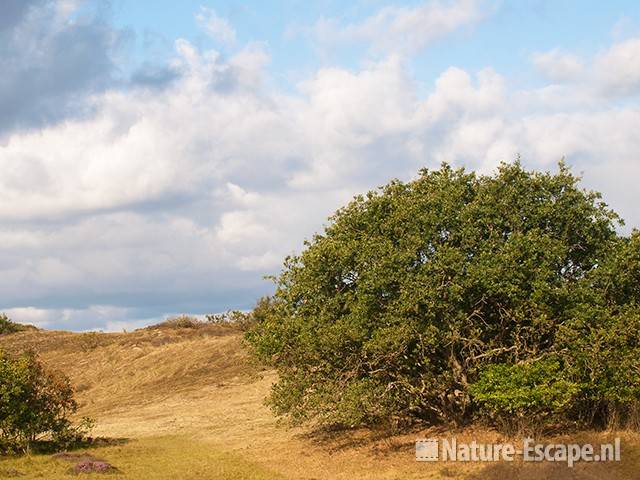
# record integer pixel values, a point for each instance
(618, 69)
(216, 26)
(404, 29)
(557, 65)
(40, 318)
(181, 199)
(615, 72)
(109, 317)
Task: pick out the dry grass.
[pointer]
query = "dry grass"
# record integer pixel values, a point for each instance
(172, 457)
(191, 403)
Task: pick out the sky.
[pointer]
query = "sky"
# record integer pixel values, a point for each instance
(162, 157)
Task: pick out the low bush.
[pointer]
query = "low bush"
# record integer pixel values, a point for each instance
(520, 396)
(35, 406)
(7, 326)
(181, 321)
(244, 320)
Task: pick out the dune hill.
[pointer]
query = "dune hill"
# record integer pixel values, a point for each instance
(192, 401)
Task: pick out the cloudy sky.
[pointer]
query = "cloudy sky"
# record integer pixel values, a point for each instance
(159, 157)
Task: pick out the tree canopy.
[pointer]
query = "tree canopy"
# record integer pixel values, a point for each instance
(455, 296)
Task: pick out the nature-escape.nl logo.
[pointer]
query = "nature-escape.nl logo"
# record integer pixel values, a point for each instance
(433, 450)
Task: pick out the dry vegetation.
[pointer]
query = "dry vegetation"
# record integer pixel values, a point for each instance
(188, 403)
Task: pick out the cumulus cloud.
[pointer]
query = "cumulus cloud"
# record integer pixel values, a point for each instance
(614, 72)
(161, 197)
(404, 29)
(618, 69)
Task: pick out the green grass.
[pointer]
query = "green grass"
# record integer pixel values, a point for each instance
(149, 458)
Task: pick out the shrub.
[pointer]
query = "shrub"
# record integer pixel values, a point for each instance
(231, 317)
(416, 291)
(602, 352)
(524, 394)
(600, 342)
(7, 326)
(243, 320)
(35, 404)
(181, 321)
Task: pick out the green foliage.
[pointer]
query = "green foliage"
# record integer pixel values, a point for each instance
(525, 390)
(243, 320)
(600, 341)
(35, 404)
(415, 291)
(7, 326)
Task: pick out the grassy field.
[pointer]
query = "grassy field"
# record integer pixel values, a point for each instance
(168, 457)
(188, 403)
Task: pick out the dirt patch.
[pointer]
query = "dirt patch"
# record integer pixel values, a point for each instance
(85, 463)
(89, 466)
